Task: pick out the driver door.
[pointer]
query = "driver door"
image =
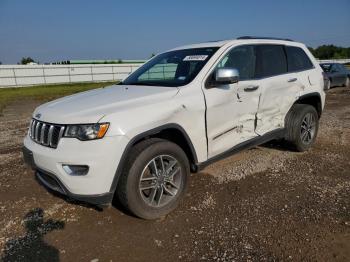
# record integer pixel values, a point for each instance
(232, 108)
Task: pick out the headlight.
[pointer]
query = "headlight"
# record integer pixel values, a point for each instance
(87, 132)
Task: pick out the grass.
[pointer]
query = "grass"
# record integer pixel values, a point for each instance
(44, 92)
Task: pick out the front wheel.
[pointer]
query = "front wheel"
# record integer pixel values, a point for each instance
(154, 178)
(302, 126)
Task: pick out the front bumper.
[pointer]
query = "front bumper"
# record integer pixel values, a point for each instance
(102, 156)
(51, 182)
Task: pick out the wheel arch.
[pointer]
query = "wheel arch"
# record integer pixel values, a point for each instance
(171, 132)
(313, 99)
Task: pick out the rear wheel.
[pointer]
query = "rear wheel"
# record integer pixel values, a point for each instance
(154, 179)
(301, 126)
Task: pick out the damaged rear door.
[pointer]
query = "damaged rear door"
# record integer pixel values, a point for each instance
(231, 108)
(283, 73)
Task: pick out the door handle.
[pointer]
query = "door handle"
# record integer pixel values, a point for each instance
(292, 80)
(250, 88)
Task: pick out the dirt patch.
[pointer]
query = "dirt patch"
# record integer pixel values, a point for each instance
(263, 204)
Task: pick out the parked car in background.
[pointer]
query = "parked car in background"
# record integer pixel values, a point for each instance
(337, 74)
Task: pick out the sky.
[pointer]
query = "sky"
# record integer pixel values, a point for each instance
(53, 30)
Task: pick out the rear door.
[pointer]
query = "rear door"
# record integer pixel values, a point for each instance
(343, 74)
(336, 74)
(278, 87)
(285, 71)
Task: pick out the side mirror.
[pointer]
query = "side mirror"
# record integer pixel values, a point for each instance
(224, 76)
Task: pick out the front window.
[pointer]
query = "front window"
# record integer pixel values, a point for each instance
(174, 68)
(242, 58)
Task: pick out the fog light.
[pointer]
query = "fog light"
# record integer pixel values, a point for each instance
(75, 170)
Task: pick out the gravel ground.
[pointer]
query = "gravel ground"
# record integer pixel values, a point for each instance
(264, 204)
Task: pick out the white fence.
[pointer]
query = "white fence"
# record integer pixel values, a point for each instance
(341, 61)
(26, 75)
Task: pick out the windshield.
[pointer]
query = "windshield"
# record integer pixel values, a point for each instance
(174, 68)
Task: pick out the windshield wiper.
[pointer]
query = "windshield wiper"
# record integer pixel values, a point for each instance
(146, 84)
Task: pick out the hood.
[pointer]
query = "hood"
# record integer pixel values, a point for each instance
(91, 106)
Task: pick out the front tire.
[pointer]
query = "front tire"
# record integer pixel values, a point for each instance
(301, 126)
(154, 178)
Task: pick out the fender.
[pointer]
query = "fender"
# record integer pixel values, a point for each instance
(310, 95)
(308, 99)
(143, 135)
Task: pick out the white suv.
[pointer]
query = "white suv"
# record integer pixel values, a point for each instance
(185, 108)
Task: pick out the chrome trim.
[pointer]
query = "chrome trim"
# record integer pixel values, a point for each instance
(49, 140)
(38, 133)
(30, 128)
(33, 128)
(225, 132)
(42, 131)
(227, 75)
(61, 133)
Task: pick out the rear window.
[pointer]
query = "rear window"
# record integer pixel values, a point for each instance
(297, 59)
(326, 67)
(271, 60)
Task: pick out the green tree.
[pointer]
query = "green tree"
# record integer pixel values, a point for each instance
(331, 52)
(26, 60)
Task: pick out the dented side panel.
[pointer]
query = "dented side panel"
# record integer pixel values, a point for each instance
(186, 109)
(230, 115)
(278, 94)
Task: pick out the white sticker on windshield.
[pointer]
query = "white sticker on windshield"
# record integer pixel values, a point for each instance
(195, 58)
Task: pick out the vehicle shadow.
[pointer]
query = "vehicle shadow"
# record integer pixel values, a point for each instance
(115, 202)
(280, 145)
(32, 246)
(68, 199)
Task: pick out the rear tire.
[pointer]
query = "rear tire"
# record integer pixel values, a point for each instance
(154, 178)
(301, 126)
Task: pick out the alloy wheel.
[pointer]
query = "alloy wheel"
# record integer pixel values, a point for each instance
(160, 181)
(308, 128)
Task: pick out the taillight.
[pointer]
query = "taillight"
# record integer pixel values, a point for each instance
(325, 81)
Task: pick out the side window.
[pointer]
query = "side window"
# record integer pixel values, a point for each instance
(334, 68)
(297, 59)
(340, 68)
(242, 58)
(271, 60)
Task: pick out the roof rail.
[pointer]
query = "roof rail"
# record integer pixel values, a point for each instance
(258, 37)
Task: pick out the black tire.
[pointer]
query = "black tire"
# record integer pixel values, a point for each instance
(129, 186)
(294, 130)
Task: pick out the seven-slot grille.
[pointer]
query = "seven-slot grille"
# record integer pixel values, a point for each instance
(45, 134)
